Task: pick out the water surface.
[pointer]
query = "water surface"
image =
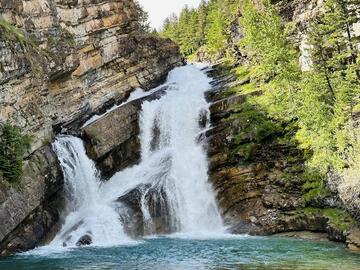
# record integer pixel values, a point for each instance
(241, 252)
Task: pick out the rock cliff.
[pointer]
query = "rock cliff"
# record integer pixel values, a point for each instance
(259, 175)
(62, 61)
(257, 170)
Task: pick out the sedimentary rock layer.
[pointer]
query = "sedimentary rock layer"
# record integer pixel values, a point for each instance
(259, 175)
(60, 62)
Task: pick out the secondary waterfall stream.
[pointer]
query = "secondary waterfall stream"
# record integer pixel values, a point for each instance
(171, 179)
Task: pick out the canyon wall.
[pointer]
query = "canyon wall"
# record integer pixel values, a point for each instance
(62, 61)
(259, 174)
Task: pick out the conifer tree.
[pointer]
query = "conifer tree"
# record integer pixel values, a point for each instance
(214, 33)
(201, 24)
(272, 60)
(143, 18)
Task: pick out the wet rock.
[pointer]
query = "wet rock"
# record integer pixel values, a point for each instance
(84, 240)
(353, 240)
(203, 119)
(112, 141)
(156, 201)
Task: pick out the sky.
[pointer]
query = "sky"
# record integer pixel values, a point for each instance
(160, 9)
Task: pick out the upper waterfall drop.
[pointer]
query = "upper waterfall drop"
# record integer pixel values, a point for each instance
(172, 125)
(170, 182)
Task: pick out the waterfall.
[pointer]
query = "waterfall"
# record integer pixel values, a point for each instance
(171, 181)
(89, 213)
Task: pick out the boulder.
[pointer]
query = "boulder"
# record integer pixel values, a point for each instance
(84, 240)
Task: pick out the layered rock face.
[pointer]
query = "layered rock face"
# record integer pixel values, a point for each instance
(70, 60)
(76, 57)
(259, 175)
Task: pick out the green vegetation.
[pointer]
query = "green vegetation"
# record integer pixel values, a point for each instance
(337, 219)
(318, 103)
(143, 18)
(18, 40)
(254, 125)
(204, 28)
(328, 92)
(314, 107)
(13, 145)
(314, 187)
(11, 31)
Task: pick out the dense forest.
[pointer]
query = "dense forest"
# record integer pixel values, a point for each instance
(206, 28)
(318, 105)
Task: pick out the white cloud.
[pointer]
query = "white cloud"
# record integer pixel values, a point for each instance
(160, 9)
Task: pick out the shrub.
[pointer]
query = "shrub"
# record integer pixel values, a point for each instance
(13, 145)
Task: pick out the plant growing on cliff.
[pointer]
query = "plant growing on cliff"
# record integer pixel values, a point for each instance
(13, 145)
(19, 42)
(272, 62)
(321, 101)
(11, 31)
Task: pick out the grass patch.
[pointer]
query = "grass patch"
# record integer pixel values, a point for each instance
(254, 125)
(337, 218)
(28, 47)
(11, 31)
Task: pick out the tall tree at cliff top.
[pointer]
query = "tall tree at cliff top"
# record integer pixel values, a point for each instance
(272, 61)
(322, 100)
(330, 88)
(214, 33)
(220, 15)
(186, 28)
(169, 28)
(143, 17)
(202, 13)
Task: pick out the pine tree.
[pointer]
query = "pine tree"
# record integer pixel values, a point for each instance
(214, 34)
(335, 69)
(201, 24)
(143, 18)
(271, 59)
(13, 146)
(170, 28)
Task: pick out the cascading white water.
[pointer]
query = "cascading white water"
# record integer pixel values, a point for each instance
(89, 213)
(176, 120)
(172, 173)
